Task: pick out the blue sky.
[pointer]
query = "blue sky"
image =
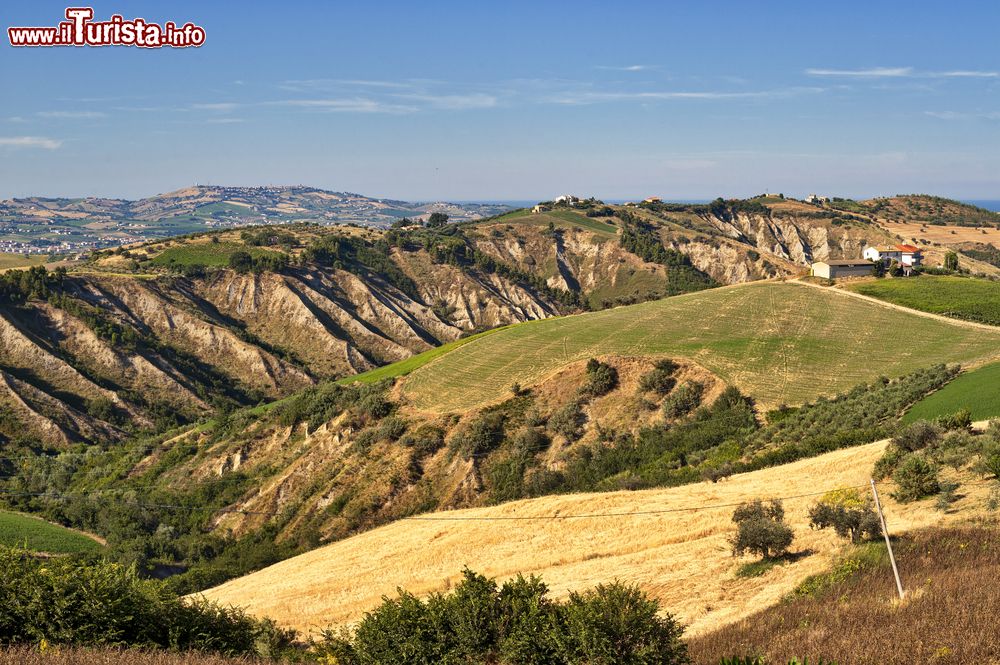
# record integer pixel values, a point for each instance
(515, 100)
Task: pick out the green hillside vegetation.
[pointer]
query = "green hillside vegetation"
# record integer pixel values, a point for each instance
(977, 391)
(958, 297)
(21, 261)
(779, 343)
(934, 210)
(206, 254)
(37, 535)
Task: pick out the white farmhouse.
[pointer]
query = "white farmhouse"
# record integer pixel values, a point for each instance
(905, 255)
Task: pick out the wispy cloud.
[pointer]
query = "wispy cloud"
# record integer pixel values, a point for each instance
(347, 105)
(29, 142)
(901, 72)
(874, 72)
(222, 107)
(964, 115)
(71, 114)
(596, 97)
(963, 73)
(625, 68)
(224, 121)
(453, 102)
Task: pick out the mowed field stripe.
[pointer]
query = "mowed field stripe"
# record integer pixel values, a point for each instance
(779, 342)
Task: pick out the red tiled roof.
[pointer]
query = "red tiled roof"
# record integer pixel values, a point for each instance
(907, 248)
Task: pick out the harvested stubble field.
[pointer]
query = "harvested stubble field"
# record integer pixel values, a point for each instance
(779, 342)
(681, 558)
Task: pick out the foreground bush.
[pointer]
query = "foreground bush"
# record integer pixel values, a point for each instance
(60, 601)
(516, 623)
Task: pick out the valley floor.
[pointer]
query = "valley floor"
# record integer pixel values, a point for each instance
(672, 542)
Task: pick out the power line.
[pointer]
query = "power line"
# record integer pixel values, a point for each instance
(640, 513)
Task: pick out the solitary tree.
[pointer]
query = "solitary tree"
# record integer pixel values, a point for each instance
(951, 261)
(436, 220)
(847, 513)
(761, 529)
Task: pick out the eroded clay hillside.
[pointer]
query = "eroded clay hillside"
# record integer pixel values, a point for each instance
(165, 333)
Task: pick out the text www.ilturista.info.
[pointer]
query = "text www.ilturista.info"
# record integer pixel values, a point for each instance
(80, 30)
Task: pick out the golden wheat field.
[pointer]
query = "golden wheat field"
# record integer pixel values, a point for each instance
(682, 558)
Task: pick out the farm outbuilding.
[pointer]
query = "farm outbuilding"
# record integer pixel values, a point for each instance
(842, 268)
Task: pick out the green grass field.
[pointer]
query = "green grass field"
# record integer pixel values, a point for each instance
(37, 535)
(20, 261)
(204, 253)
(977, 390)
(959, 297)
(779, 342)
(559, 218)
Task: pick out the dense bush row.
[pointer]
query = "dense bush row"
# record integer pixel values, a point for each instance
(62, 601)
(516, 623)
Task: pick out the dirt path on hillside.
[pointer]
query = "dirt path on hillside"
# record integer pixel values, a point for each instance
(901, 308)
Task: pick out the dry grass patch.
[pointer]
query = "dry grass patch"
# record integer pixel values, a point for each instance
(951, 614)
(681, 558)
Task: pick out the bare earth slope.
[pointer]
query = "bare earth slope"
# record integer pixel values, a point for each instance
(681, 557)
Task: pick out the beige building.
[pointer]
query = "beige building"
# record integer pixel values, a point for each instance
(833, 269)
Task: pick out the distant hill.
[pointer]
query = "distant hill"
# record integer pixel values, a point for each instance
(64, 224)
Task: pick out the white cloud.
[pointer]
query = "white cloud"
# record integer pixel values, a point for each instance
(29, 142)
(962, 73)
(964, 115)
(454, 102)
(874, 72)
(626, 68)
(595, 97)
(224, 121)
(71, 114)
(222, 107)
(347, 105)
(901, 72)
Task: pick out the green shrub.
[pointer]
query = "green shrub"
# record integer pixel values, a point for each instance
(568, 421)
(616, 624)
(956, 421)
(64, 601)
(848, 514)
(915, 478)
(684, 400)
(917, 436)
(515, 623)
(661, 379)
(761, 529)
(601, 379)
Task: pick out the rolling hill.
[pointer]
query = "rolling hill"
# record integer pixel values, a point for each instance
(779, 342)
(653, 538)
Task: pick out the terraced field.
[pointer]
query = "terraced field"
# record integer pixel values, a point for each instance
(779, 342)
(37, 535)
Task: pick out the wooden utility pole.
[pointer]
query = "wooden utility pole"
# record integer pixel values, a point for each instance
(888, 544)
